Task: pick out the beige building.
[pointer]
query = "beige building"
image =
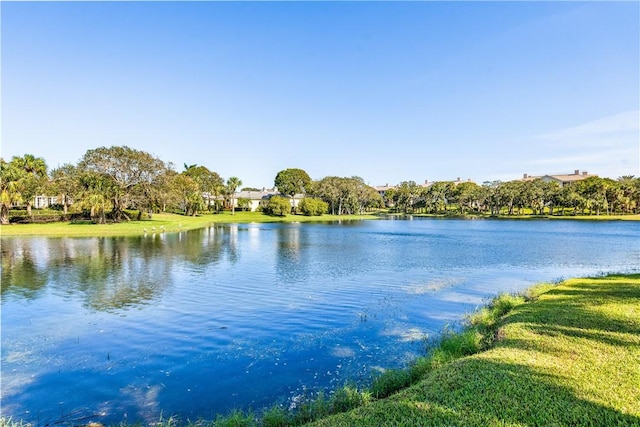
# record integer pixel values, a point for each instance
(562, 179)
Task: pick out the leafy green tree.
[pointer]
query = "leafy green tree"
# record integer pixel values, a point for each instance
(346, 195)
(94, 195)
(441, 192)
(328, 190)
(125, 168)
(594, 193)
(65, 183)
(466, 195)
(189, 194)
(291, 182)
(210, 183)
(310, 206)
(407, 194)
(493, 196)
(278, 206)
(233, 184)
(532, 193)
(244, 203)
(390, 197)
(630, 198)
(366, 195)
(34, 179)
(551, 195)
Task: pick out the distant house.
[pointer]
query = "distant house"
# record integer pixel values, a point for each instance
(41, 202)
(382, 189)
(562, 179)
(458, 181)
(260, 198)
(255, 197)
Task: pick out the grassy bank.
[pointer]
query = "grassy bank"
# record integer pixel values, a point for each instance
(173, 223)
(159, 223)
(569, 357)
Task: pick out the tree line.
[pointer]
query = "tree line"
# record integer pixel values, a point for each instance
(111, 183)
(592, 195)
(108, 182)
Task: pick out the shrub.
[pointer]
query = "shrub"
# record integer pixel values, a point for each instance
(313, 207)
(236, 418)
(278, 206)
(309, 409)
(347, 398)
(276, 416)
(460, 344)
(389, 382)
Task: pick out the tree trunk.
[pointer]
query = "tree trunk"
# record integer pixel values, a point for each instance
(4, 215)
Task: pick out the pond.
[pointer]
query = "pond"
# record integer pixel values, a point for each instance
(243, 316)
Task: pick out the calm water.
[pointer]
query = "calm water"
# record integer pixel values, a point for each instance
(247, 315)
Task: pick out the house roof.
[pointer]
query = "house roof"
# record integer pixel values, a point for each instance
(256, 195)
(563, 177)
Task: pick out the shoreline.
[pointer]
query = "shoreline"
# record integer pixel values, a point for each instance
(171, 223)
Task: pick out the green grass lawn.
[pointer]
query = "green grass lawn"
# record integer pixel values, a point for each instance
(169, 222)
(570, 358)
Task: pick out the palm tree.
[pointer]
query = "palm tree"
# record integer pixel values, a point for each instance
(33, 180)
(232, 185)
(10, 176)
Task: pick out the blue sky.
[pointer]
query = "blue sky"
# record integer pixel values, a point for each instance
(386, 91)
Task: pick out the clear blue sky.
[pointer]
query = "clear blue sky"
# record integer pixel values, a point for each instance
(386, 91)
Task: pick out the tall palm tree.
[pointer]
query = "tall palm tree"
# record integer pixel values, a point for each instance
(232, 185)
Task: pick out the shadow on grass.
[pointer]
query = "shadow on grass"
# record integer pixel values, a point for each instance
(484, 392)
(481, 392)
(577, 307)
(605, 337)
(478, 392)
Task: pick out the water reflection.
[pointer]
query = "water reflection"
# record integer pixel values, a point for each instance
(292, 265)
(20, 273)
(110, 273)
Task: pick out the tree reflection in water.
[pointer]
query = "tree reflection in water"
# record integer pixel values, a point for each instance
(109, 273)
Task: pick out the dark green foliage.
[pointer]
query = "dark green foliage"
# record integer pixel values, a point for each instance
(236, 418)
(278, 206)
(346, 398)
(276, 416)
(389, 382)
(460, 344)
(292, 181)
(313, 207)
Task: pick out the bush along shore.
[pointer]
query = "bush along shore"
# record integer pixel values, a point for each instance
(563, 355)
